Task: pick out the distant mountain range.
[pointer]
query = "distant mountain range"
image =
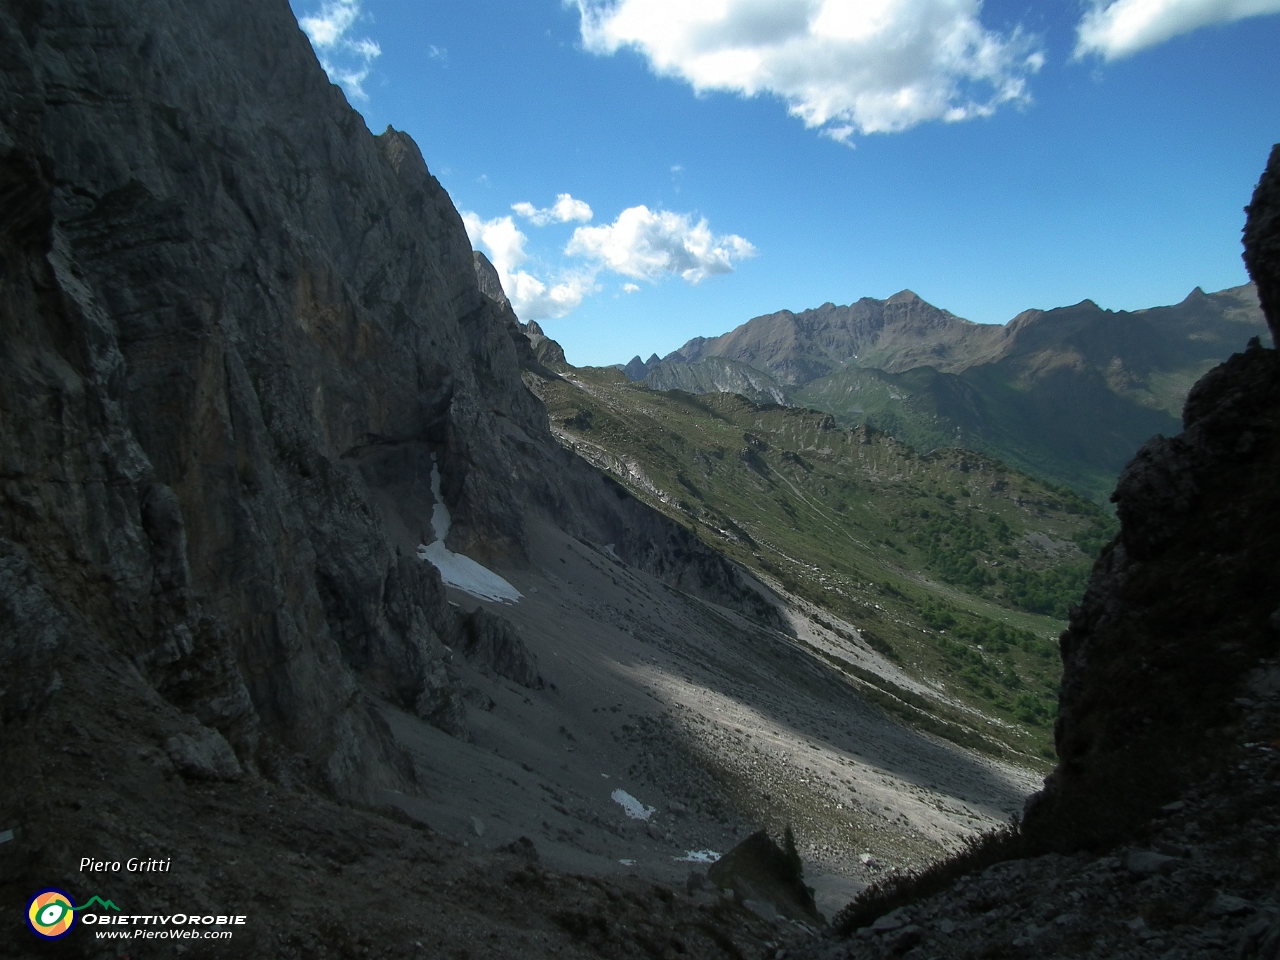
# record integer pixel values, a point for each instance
(1067, 394)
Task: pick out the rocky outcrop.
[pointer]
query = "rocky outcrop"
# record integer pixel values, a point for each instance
(548, 352)
(492, 644)
(488, 280)
(1181, 606)
(1262, 242)
(717, 375)
(534, 351)
(236, 327)
(637, 369)
(767, 879)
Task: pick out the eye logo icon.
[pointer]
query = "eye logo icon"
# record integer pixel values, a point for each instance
(51, 914)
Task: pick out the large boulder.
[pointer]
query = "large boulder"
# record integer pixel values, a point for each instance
(758, 871)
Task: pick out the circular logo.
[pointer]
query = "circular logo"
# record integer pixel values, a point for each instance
(51, 914)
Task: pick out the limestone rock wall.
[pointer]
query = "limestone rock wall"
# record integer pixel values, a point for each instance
(234, 328)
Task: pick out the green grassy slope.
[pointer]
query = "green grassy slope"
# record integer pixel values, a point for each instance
(952, 564)
(1067, 425)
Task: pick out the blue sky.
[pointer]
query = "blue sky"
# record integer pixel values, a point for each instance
(646, 171)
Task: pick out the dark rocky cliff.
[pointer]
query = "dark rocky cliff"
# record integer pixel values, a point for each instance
(234, 329)
(1186, 602)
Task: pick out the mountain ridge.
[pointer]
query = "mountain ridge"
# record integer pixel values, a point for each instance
(1067, 393)
(799, 347)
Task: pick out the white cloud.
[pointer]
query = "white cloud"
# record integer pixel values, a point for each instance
(565, 210)
(531, 298)
(640, 243)
(335, 18)
(843, 66)
(501, 238)
(346, 61)
(534, 300)
(1122, 27)
(645, 244)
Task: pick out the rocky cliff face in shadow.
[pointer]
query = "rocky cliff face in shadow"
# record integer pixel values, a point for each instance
(235, 329)
(1186, 601)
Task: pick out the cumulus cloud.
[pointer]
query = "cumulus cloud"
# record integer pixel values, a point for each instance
(641, 243)
(347, 61)
(564, 210)
(647, 244)
(501, 239)
(1119, 28)
(534, 300)
(325, 29)
(842, 66)
(531, 298)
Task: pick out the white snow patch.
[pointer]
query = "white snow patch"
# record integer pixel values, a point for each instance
(455, 569)
(467, 575)
(698, 856)
(633, 807)
(627, 863)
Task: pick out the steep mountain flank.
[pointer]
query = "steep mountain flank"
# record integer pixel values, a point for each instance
(957, 567)
(716, 375)
(238, 336)
(236, 330)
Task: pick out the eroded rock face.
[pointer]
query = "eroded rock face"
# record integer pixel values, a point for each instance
(1262, 241)
(234, 329)
(196, 354)
(487, 279)
(1180, 607)
(536, 351)
(494, 647)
